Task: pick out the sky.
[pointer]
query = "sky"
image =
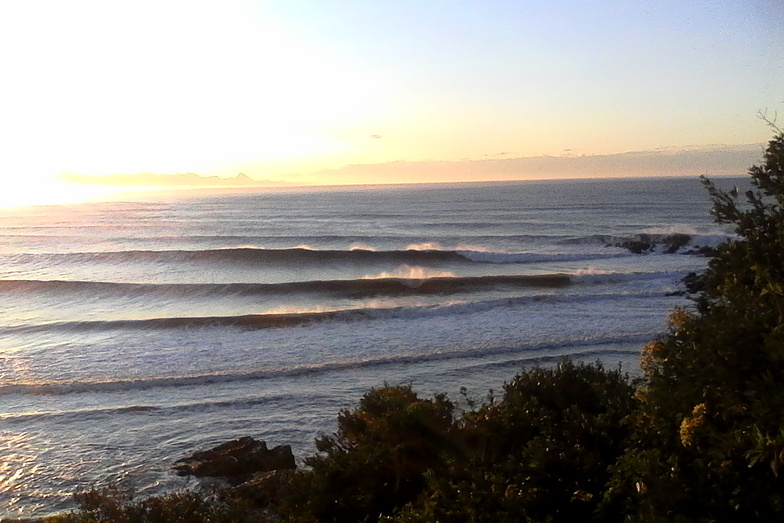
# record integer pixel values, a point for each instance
(313, 91)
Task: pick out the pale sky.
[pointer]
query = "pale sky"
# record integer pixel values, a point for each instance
(294, 90)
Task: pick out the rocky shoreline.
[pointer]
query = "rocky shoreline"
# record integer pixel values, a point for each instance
(245, 468)
(251, 470)
(236, 461)
(668, 244)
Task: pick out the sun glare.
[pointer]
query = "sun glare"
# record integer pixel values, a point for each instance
(20, 193)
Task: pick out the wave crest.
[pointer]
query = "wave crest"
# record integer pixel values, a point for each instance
(535, 353)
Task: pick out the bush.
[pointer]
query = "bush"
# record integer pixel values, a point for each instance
(709, 438)
(377, 459)
(115, 505)
(541, 454)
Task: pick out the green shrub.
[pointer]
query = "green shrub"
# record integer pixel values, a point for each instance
(541, 454)
(115, 505)
(377, 459)
(709, 438)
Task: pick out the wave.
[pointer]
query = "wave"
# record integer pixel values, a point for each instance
(350, 288)
(295, 255)
(294, 319)
(603, 277)
(532, 354)
(304, 255)
(404, 281)
(531, 257)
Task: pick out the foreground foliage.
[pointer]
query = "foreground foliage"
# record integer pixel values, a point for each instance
(709, 436)
(700, 438)
(377, 460)
(541, 454)
(115, 505)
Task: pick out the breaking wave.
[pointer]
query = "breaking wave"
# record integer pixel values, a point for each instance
(416, 282)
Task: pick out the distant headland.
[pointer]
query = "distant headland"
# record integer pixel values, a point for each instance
(169, 180)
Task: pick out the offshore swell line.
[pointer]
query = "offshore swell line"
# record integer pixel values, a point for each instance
(292, 319)
(539, 352)
(259, 255)
(300, 255)
(354, 288)
(424, 254)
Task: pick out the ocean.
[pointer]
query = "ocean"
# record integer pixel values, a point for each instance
(135, 332)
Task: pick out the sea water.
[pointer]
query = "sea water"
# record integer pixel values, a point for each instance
(135, 332)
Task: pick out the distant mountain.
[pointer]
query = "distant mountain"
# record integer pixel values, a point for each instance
(168, 180)
(684, 161)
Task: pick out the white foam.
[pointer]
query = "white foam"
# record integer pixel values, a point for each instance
(426, 246)
(358, 246)
(409, 272)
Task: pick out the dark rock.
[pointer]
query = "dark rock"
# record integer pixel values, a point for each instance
(646, 243)
(236, 460)
(675, 242)
(640, 246)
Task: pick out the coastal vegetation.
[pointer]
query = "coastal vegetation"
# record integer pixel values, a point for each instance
(698, 438)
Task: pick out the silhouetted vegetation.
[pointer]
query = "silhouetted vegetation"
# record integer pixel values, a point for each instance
(542, 453)
(708, 443)
(115, 505)
(699, 438)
